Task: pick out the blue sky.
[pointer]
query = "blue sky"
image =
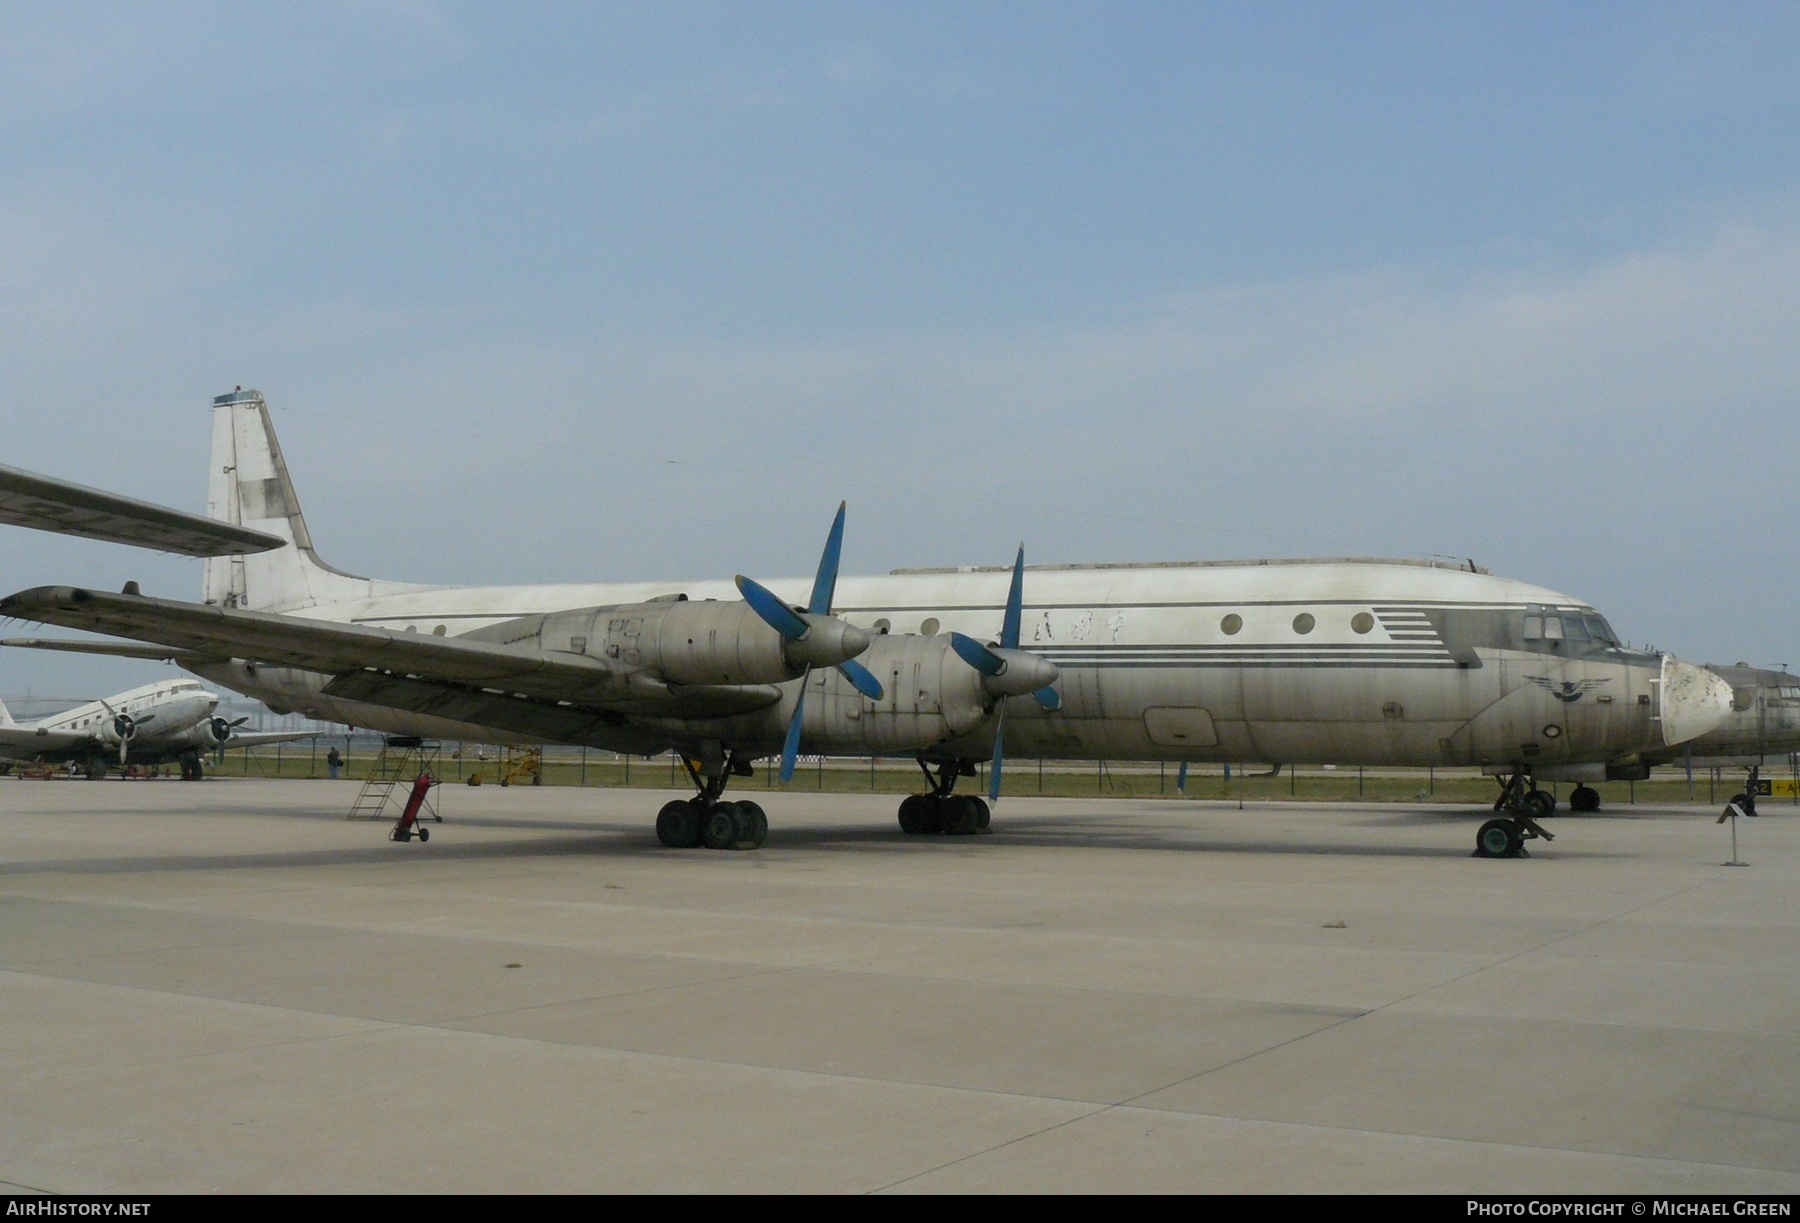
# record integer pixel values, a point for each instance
(587, 291)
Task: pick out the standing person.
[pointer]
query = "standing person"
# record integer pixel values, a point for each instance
(333, 762)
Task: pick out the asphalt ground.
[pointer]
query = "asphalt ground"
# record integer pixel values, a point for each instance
(227, 986)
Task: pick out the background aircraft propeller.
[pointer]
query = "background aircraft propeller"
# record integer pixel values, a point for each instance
(221, 729)
(837, 643)
(126, 727)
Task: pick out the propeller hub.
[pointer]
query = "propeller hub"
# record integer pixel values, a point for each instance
(1021, 672)
(828, 642)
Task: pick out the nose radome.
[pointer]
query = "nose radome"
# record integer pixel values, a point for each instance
(1693, 700)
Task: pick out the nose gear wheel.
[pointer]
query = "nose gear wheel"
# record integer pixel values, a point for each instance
(1520, 805)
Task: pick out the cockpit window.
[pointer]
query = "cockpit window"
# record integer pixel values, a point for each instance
(1553, 628)
(1534, 628)
(1576, 630)
(1600, 630)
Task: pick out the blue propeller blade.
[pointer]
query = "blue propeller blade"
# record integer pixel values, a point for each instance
(861, 679)
(776, 614)
(976, 655)
(825, 585)
(790, 751)
(1015, 605)
(999, 757)
(1048, 698)
(1181, 777)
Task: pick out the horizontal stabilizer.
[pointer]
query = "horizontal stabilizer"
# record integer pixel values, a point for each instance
(45, 503)
(112, 649)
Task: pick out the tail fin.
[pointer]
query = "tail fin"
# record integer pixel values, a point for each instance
(249, 485)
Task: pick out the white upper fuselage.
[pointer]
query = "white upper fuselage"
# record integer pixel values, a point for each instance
(1149, 605)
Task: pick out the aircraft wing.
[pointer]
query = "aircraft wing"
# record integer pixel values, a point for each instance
(48, 504)
(114, 649)
(360, 654)
(25, 743)
(262, 738)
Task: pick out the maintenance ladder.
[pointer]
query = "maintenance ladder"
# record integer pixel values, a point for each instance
(402, 759)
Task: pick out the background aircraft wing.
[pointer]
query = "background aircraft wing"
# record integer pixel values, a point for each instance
(48, 504)
(261, 738)
(24, 743)
(368, 658)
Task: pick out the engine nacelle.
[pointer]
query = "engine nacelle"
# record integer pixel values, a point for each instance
(684, 642)
(202, 736)
(930, 696)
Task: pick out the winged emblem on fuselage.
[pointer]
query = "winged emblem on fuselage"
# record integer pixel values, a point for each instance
(1568, 691)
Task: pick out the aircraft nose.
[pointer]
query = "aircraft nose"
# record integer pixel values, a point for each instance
(1692, 701)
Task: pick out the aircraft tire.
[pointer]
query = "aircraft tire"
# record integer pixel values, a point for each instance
(753, 826)
(1540, 804)
(1497, 839)
(959, 816)
(678, 825)
(983, 816)
(1584, 799)
(719, 829)
(1745, 803)
(918, 815)
(424, 834)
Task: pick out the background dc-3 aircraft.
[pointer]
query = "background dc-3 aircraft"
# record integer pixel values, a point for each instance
(1357, 660)
(167, 722)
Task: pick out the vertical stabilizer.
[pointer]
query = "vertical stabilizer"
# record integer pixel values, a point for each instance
(248, 484)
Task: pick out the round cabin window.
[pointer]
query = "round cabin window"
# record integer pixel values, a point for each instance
(1362, 622)
(1231, 624)
(929, 627)
(1303, 623)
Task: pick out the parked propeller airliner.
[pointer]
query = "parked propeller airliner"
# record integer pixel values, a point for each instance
(171, 721)
(1357, 660)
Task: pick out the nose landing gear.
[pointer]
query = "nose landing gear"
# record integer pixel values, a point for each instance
(943, 810)
(706, 819)
(1520, 805)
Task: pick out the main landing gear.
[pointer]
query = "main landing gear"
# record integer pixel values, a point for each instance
(958, 815)
(707, 819)
(1521, 804)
